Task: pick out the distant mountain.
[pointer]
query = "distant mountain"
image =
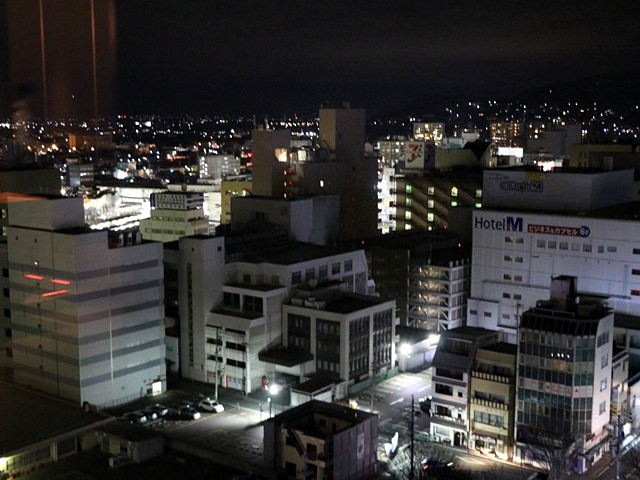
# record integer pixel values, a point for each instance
(613, 90)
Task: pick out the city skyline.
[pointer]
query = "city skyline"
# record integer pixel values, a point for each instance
(292, 56)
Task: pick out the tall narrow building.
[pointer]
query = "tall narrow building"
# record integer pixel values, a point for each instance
(87, 319)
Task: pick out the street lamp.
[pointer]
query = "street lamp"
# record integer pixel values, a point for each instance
(274, 389)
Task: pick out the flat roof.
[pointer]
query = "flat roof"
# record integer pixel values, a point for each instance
(287, 357)
(293, 253)
(23, 409)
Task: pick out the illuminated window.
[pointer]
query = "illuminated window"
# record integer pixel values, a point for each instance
(407, 202)
(430, 217)
(407, 215)
(478, 193)
(431, 190)
(478, 205)
(407, 226)
(430, 203)
(409, 189)
(454, 191)
(454, 204)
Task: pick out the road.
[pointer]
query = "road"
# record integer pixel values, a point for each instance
(237, 434)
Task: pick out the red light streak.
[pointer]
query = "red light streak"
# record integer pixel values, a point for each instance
(61, 282)
(54, 293)
(33, 276)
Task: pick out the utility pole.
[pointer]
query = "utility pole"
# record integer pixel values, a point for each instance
(217, 379)
(412, 430)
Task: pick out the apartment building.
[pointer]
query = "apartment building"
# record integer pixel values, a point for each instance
(492, 400)
(453, 366)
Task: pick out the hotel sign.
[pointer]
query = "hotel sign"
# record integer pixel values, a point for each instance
(516, 224)
(555, 230)
(508, 223)
(530, 186)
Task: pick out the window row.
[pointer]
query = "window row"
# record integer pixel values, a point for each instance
(575, 246)
(322, 271)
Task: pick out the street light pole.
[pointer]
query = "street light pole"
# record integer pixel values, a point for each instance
(411, 426)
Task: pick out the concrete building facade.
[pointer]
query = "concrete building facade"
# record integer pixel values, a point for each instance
(565, 350)
(86, 319)
(322, 440)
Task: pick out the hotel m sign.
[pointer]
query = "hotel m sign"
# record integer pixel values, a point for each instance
(508, 223)
(516, 224)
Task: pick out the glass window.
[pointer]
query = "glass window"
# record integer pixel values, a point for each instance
(348, 265)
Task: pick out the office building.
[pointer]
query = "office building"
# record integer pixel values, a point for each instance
(239, 186)
(329, 333)
(507, 134)
(17, 185)
(232, 291)
(337, 165)
(432, 132)
(175, 215)
(86, 315)
(565, 350)
(312, 219)
(322, 440)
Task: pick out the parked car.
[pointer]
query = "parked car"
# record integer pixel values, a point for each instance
(189, 413)
(209, 405)
(431, 467)
(135, 417)
(158, 410)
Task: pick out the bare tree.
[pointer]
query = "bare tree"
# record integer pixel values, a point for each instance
(399, 468)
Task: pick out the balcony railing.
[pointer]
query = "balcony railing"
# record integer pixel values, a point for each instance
(491, 376)
(489, 403)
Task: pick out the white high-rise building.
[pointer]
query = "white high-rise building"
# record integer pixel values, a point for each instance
(578, 228)
(87, 319)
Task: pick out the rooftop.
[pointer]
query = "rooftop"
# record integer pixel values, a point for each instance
(21, 407)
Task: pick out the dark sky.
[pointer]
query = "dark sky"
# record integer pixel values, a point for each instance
(216, 56)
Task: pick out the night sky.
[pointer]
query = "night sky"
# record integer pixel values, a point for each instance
(215, 56)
